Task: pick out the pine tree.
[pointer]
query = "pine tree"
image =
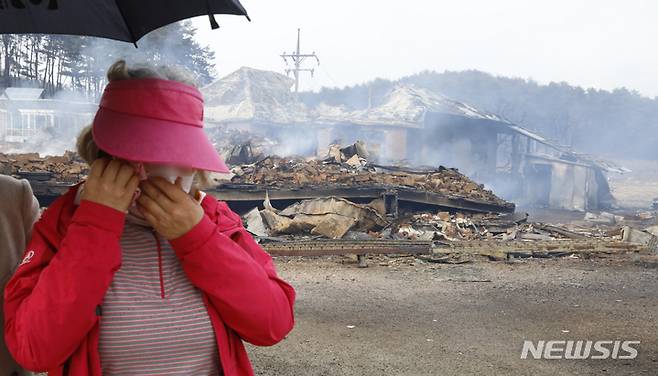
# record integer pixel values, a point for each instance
(77, 63)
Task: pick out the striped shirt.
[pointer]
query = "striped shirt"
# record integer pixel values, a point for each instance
(154, 321)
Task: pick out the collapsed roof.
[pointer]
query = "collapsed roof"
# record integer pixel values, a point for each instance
(408, 106)
(253, 95)
(265, 97)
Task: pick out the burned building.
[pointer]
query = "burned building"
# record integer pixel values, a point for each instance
(415, 126)
(260, 102)
(521, 165)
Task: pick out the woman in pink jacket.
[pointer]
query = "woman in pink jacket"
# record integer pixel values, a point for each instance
(136, 271)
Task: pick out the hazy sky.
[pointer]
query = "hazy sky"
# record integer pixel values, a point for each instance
(603, 43)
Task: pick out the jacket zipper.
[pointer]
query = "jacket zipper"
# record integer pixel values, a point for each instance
(157, 242)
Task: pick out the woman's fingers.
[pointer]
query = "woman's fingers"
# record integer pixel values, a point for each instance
(98, 167)
(150, 218)
(153, 192)
(111, 171)
(148, 205)
(126, 172)
(174, 192)
(133, 184)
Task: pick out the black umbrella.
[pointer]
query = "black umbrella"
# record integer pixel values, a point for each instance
(125, 20)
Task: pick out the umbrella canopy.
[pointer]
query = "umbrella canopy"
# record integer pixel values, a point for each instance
(125, 20)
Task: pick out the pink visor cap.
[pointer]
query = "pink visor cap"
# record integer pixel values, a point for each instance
(155, 121)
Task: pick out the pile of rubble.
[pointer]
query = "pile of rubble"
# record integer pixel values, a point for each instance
(370, 220)
(275, 172)
(330, 217)
(239, 147)
(67, 168)
(338, 218)
(329, 226)
(508, 227)
(49, 176)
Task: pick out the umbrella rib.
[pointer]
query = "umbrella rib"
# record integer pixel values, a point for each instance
(130, 30)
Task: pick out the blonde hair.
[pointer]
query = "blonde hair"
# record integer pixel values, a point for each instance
(85, 145)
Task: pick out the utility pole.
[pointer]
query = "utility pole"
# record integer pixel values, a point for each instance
(294, 62)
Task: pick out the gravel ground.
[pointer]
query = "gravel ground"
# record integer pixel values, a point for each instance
(402, 317)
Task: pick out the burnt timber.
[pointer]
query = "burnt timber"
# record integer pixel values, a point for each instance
(344, 247)
(245, 196)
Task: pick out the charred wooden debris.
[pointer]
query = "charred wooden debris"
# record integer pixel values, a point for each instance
(345, 204)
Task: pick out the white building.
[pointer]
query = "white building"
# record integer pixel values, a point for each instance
(24, 114)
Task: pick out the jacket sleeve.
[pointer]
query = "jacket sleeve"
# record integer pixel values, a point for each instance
(240, 279)
(50, 302)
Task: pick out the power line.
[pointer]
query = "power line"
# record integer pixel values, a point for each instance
(326, 73)
(294, 62)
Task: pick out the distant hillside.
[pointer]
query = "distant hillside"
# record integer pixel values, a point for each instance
(617, 123)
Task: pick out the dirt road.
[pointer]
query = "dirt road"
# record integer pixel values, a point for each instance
(411, 318)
